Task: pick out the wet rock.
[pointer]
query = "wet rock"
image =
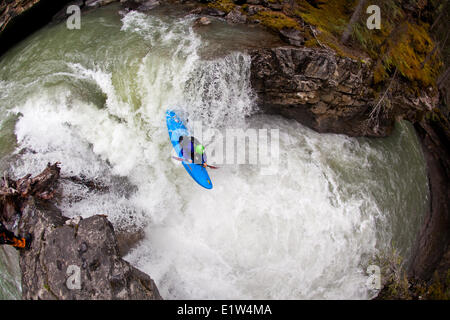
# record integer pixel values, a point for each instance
(128, 240)
(203, 21)
(236, 16)
(83, 247)
(74, 221)
(292, 36)
(129, 5)
(97, 3)
(252, 9)
(76, 261)
(148, 5)
(140, 5)
(207, 11)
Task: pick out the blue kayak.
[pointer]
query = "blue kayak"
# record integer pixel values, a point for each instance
(176, 129)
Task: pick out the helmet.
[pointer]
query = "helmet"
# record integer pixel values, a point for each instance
(199, 149)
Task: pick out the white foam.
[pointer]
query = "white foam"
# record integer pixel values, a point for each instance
(266, 237)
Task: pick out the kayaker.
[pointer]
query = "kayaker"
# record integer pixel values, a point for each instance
(193, 150)
(7, 237)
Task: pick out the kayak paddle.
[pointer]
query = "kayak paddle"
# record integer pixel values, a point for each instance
(181, 159)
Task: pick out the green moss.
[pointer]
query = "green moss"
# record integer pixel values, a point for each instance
(276, 20)
(310, 43)
(401, 45)
(371, 40)
(223, 5)
(411, 53)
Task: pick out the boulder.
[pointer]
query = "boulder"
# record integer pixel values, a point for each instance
(207, 11)
(76, 259)
(203, 21)
(236, 16)
(292, 36)
(254, 9)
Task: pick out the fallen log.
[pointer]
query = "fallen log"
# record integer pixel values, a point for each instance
(14, 193)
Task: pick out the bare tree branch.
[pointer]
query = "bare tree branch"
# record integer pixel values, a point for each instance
(378, 109)
(315, 37)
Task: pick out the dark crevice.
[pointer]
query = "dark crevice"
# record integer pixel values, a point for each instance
(29, 21)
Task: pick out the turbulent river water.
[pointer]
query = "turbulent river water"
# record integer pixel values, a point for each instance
(94, 99)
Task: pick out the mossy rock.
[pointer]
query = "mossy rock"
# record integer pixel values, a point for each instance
(223, 5)
(276, 20)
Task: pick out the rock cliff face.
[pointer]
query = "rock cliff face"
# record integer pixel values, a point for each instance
(316, 87)
(20, 18)
(330, 93)
(13, 8)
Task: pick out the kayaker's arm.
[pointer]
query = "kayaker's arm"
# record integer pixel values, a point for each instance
(190, 161)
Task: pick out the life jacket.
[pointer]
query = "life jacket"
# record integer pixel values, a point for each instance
(188, 150)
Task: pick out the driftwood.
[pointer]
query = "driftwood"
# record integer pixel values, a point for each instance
(14, 193)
